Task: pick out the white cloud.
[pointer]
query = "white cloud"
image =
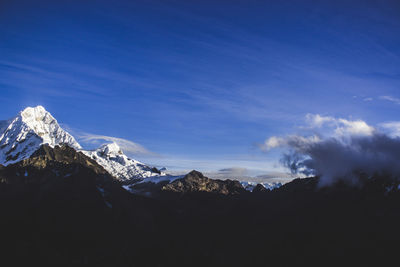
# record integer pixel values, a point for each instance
(331, 127)
(358, 127)
(391, 99)
(274, 141)
(341, 127)
(316, 120)
(393, 128)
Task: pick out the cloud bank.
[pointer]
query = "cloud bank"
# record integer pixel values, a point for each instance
(341, 149)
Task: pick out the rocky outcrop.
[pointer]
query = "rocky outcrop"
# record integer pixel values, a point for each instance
(259, 188)
(58, 161)
(196, 182)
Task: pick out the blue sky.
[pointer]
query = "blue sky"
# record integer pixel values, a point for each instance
(200, 83)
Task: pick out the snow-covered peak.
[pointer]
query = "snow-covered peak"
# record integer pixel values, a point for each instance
(111, 149)
(24, 134)
(30, 113)
(249, 186)
(47, 127)
(111, 157)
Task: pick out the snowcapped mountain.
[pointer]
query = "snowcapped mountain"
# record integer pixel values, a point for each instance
(249, 186)
(21, 136)
(24, 134)
(111, 157)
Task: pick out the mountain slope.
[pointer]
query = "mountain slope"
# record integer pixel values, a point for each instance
(60, 173)
(30, 129)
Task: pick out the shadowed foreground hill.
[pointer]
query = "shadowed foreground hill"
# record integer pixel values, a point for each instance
(59, 208)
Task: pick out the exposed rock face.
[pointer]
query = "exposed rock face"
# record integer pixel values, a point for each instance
(62, 160)
(197, 182)
(61, 172)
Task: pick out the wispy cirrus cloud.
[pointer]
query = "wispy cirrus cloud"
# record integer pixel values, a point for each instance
(391, 99)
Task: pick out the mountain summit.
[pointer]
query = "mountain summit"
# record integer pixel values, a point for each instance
(111, 157)
(21, 136)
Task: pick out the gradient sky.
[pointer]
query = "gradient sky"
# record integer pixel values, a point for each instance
(200, 83)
